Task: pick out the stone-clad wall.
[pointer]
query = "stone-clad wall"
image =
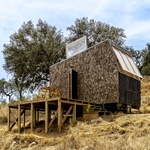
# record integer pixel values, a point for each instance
(97, 74)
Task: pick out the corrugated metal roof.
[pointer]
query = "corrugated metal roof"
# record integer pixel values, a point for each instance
(126, 62)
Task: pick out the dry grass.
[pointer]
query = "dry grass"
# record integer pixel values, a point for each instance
(3, 114)
(145, 93)
(115, 132)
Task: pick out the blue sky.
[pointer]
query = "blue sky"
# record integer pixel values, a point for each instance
(131, 15)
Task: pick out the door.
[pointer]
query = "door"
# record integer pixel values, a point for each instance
(73, 77)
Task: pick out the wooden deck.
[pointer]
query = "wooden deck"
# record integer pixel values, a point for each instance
(58, 105)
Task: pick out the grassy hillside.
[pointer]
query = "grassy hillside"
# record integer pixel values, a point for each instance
(114, 132)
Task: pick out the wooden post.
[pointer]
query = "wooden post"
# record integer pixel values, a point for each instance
(46, 116)
(59, 115)
(24, 119)
(69, 87)
(74, 114)
(8, 118)
(19, 118)
(32, 116)
(128, 109)
(49, 115)
(37, 115)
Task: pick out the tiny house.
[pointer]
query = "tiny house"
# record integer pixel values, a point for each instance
(102, 74)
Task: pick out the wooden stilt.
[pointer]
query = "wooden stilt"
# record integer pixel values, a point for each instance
(32, 116)
(74, 114)
(59, 116)
(46, 116)
(46, 105)
(62, 111)
(24, 119)
(37, 116)
(49, 115)
(9, 118)
(19, 118)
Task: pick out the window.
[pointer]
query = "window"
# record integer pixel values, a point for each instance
(127, 62)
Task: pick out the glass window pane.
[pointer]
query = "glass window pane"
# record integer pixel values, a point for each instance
(130, 69)
(127, 63)
(123, 65)
(134, 67)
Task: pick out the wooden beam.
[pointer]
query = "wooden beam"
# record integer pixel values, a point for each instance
(66, 115)
(37, 115)
(34, 122)
(14, 118)
(71, 102)
(24, 119)
(19, 118)
(74, 114)
(46, 116)
(32, 116)
(69, 86)
(59, 116)
(53, 119)
(49, 115)
(9, 118)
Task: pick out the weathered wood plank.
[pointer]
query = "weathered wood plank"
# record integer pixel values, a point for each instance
(37, 116)
(32, 116)
(24, 119)
(74, 113)
(59, 115)
(9, 118)
(66, 115)
(46, 116)
(19, 118)
(52, 120)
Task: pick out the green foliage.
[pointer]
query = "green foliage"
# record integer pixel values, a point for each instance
(7, 89)
(70, 121)
(138, 55)
(146, 64)
(103, 105)
(88, 108)
(95, 31)
(30, 52)
(119, 106)
(146, 70)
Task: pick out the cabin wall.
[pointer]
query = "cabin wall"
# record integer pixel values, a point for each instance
(97, 75)
(129, 91)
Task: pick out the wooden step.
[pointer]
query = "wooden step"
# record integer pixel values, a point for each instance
(104, 113)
